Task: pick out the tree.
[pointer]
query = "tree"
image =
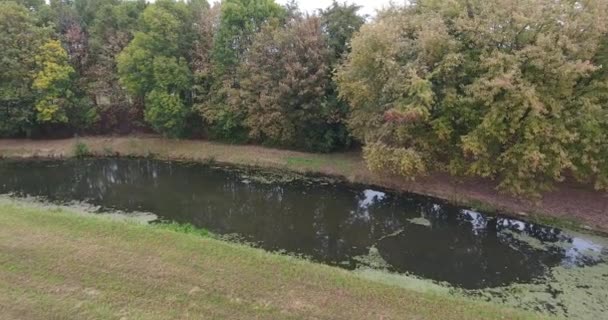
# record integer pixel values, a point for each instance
(70, 29)
(111, 29)
(166, 112)
(205, 27)
(340, 22)
(206, 22)
(89, 10)
(61, 15)
(165, 107)
(155, 66)
(239, 21)
(30, 4)
(504, 90)
(20, 37)
(284, 79)
(76, 42)
(58, 101)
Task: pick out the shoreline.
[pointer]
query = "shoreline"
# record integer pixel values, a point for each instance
(570, 205)
(65, 264)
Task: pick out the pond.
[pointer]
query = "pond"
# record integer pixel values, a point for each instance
(337, 224)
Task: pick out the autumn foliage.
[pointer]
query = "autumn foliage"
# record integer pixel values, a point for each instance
(512, 90)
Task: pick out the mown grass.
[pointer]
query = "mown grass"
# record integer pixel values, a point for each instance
(58, 265)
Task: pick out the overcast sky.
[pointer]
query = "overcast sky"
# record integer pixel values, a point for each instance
(368, 6)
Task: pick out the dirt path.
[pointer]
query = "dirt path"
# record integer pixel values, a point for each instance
(570, 202)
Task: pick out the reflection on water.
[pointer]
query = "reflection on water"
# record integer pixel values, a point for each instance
(333, 224)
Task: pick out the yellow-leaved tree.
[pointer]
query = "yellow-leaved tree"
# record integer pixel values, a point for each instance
(511, 90)
(58, 101)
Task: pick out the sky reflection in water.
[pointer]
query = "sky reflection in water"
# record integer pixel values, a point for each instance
(333, 224)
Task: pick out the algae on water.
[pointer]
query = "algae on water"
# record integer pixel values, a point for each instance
(570, 290)
(577, 293)
(373, 260)
(420, 221)
(405, 281)
(81, 208)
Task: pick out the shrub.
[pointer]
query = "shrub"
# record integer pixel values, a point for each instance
(81, 150)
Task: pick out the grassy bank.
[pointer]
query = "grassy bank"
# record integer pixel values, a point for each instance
(55, 264)
(570, 205)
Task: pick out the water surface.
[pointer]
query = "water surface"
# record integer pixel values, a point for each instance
(336, 224)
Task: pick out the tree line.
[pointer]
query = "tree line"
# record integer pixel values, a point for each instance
(512, 90)
(240, 71)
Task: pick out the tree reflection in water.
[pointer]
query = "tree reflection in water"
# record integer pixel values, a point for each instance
(333, 224)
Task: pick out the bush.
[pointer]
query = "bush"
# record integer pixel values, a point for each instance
(81, 150)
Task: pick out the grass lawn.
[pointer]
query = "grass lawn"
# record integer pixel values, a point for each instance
(55, 264)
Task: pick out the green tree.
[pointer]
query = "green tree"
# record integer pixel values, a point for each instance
(504, 90)
(165, 107)
(89, 10)
(340, 21)
(155, 65)
(166, 112)
(29, 4)
(240, 20)
(20, 38)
